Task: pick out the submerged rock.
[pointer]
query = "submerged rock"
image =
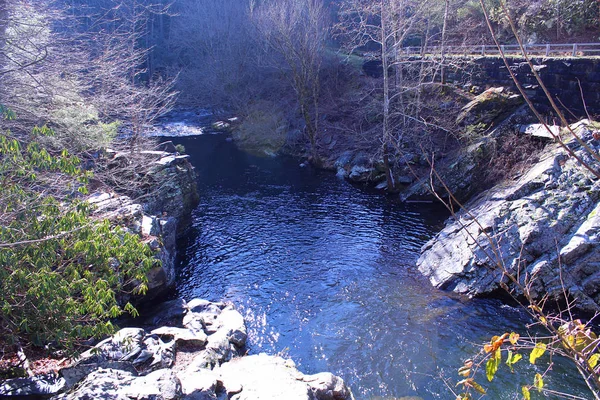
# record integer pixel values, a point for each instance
(544, 227)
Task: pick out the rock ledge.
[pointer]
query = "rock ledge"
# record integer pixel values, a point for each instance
(545, 226)
(199, 356)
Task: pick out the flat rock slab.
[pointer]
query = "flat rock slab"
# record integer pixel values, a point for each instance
(545, 222)
(264, 377)
(182, 336)
(114, 384)
(540, 131)
(41, 386)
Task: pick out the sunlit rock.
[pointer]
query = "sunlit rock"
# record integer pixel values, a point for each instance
(543, 226)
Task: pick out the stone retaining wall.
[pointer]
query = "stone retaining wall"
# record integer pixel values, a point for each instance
(565, 78)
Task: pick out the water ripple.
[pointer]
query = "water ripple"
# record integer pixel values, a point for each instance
(325, 272)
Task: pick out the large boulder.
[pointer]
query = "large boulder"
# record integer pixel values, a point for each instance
(104, 383)
(39, 387)
(225, 330)
(162, 384)
(130, 349)
(203, 360)
(358, 167)
(544, 227)
(488, 108)
(168, 313)
(116, 384)
(175, 186)
(264, 377)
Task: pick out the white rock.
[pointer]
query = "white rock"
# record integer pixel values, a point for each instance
(150, 226)
(263, 377)
(182, 335)
(198, 383)
(540, 131)
(158, 385)
(98, 197)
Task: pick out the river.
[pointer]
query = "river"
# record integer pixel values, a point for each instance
(324, 272)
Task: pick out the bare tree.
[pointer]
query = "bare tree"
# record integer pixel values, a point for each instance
(213, 46)
(387, 24)
(28, 50)
(81, 70)
(297, 31)
(121, 83)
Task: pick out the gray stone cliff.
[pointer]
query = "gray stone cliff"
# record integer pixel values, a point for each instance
(543, 228)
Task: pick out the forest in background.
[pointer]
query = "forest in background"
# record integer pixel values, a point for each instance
(291, 70)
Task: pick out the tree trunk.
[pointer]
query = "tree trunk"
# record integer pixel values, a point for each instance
(386, 137)
(443, 43)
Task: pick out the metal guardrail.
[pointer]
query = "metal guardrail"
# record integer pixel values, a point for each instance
(546, 50)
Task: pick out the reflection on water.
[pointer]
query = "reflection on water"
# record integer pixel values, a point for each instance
(324, 273)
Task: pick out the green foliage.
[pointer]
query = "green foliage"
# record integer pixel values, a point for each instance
(63, 274)
(180, 148)
(6, 113)
(492, 364)
(537, 352)
(512, 359)
(571, 339)
(492, 355)
(81, 127)
(262, 130)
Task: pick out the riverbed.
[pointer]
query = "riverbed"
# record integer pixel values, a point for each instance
(324, 273)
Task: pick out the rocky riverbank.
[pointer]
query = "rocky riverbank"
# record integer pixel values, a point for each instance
(479, 122)
(193, 350)
(543, 227)
(160, 217)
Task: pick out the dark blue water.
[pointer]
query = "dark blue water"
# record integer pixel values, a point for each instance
(324, 272)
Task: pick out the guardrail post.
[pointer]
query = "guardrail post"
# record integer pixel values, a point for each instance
(483, 49)
(547, 50)
(575, 50)
(502, 48)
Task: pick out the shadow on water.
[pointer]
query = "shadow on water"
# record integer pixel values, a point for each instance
(324, 272)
